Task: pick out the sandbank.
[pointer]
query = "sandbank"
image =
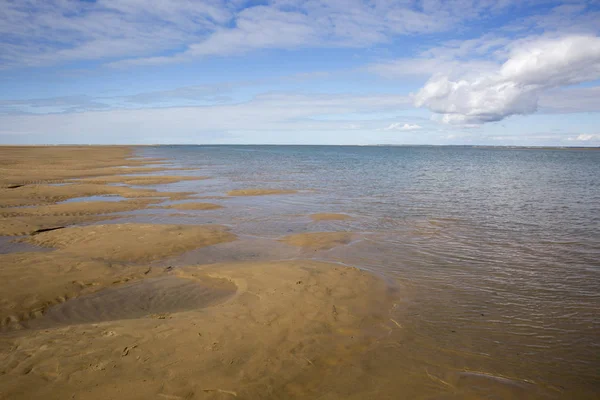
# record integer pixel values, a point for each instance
(131, 242)
(329, 217)
(318, 240)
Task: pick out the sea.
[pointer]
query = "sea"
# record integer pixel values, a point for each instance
(495, 252)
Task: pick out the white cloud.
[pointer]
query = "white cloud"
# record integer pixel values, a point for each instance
(515, 87)
(397, 126)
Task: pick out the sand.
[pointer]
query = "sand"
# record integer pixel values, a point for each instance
(259, 192)
(27, 225)
(131, 242)
(152, 296)
(32, 282)
(28, 220)
(28, 190)
(329, 217)
(91, 256)
(102, 313)
(77, 208)
(31, 195)
(287, 332)
(21, 165)
(318, 240)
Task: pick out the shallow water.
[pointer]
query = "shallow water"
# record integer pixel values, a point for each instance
(93, 198)
(498, 251)
(150, 297)
(11, 244)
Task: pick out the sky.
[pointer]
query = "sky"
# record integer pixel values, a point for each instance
(353, 72)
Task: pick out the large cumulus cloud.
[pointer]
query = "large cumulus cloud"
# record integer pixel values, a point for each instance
(532, 67)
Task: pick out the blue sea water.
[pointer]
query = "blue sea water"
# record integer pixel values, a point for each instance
(497, 249)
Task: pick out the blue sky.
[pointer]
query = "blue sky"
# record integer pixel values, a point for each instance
(300, 72)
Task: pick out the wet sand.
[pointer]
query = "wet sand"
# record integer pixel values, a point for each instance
(329, 217)
(287, 332)
(318, 240)
(130, 242)
(101, 314)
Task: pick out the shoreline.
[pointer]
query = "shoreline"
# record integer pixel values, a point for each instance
(250, 329)
(121, 291)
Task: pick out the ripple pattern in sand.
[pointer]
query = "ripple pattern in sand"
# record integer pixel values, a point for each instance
(150, 297)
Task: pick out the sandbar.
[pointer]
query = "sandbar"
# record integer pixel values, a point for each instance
(31, 195)
(131, 242)
(318, 240)
(329, 217)
(77, 208)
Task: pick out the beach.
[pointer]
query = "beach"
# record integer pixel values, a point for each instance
(269, 272)
(89, 311)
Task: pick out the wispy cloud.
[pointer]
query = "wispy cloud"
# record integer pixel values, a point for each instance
(192, 95)
(65, 104)
(398, 126)
(585, 137)
(270, 112)
(124, 32)
(454, 58)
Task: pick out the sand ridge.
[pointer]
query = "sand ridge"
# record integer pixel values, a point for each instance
(131, 242)
(31, 195)
(78, 208)
(31, 224)
(329, 217)
(27, 219)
